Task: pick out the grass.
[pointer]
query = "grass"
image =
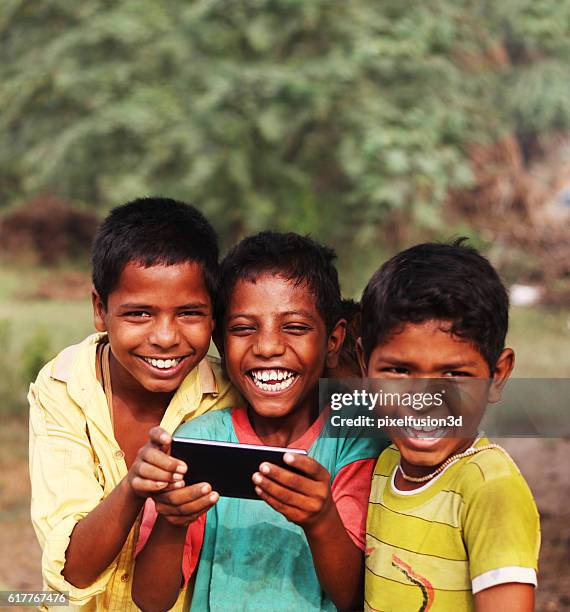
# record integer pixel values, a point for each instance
(66, 320)
(540, 338)
(33, 330)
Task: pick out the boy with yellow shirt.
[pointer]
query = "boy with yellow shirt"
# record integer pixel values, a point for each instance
(452, 524)
(155, 268)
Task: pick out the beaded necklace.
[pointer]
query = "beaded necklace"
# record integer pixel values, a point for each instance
(450, 461)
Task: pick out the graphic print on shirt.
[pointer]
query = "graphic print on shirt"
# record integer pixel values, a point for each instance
(424, 584)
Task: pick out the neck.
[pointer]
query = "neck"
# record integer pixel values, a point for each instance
(131, 394)
(284, 430)
(419, 471)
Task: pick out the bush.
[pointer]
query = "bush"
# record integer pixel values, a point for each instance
(20, 366)
(49, 229)
(11, 390)
(35, 354)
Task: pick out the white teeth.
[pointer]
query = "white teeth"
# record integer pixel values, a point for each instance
(425, 433)
(267, 375)
(260, 379)
(163, 364)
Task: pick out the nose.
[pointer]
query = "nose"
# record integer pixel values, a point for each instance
(165, 333)
(268, 344)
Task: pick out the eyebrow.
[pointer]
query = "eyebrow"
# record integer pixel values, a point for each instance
(458, 364)
(288, 313)
(297, 313)
(445, 366)
(134, 306)
(194, 305)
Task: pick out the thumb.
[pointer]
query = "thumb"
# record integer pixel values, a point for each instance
(160, 438)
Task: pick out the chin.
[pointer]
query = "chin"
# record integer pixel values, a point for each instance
(162, 386)
(269, 412)
(426, 458)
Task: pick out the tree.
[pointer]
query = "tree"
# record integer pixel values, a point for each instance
(320, 116)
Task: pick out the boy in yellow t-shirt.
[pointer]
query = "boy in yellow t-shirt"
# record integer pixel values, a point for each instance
(452, 524)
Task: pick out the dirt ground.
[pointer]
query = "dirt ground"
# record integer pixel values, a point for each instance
(544, 463)
(546, 466)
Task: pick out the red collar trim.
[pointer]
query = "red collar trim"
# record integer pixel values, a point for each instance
(246, 435)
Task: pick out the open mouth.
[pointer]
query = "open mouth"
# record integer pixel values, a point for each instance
(425, 433)
(164, 364)
(273, 380)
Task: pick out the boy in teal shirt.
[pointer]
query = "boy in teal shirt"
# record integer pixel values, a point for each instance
(300, 547)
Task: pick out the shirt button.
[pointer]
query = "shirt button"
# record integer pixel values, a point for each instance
(119, 454)
(125, 577)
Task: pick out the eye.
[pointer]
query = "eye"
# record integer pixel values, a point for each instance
(241, 330)
(397, 370)
(193, 313)
(457, 374)
(137, 314)
(296, 328)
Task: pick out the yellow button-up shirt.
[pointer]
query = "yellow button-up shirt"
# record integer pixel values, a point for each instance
(75, 462)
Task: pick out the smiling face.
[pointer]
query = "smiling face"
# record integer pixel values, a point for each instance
(430, 350)
(276, 346)
(159, 322)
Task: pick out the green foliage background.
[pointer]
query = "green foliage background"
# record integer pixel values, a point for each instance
(336, 118)
(348, 119)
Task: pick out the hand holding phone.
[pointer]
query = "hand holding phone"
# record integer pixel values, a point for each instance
(303, 496)
(154, 469)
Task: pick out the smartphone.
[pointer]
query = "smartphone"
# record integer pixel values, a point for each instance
(227, 466)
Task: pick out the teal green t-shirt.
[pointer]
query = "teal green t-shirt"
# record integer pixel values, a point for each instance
(252, 557)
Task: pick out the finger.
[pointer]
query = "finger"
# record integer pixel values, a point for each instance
(288, 497)
(193, 508)
(184, 520)
(160, 438)
(150, 472)
(299, 482)
(287, 478)
(141, 485)
(290, 513)
(309, 466)
(161, 460)
(174, 486)
(184, 494)
(203, 504)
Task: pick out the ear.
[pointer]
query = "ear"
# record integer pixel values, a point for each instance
(361, 359)
(335, 342)
(503, 369)
(98, 311)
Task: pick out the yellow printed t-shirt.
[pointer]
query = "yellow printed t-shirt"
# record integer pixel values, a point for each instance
(472, 527)
(75, 461)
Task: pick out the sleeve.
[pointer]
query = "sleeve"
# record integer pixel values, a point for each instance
(350, 491)
(502, 533)
(64, 481)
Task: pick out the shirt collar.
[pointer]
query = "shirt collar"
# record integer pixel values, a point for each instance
(85, 387)
(199, 382)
